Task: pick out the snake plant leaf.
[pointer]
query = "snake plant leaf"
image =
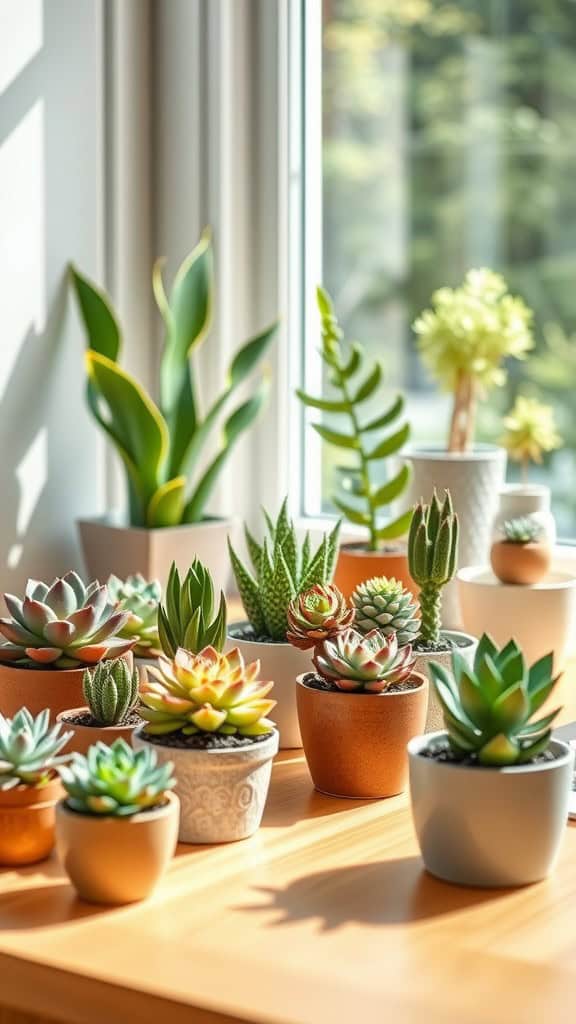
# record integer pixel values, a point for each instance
(335, 438)
(323, 403)
(136, 494)
(390, 444)
(391, 489)
(386, 418)
(167, 503)
(396, 528)
(98, 316)
(160, 293)
(354, 515)
(248, 357)
(370, 385)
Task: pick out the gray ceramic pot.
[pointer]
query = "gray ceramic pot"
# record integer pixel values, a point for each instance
(489, 827)
(434, 718)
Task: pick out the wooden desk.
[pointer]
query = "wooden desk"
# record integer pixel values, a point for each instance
(324, 916)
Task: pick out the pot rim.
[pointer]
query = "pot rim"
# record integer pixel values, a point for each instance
(432, 451)
(271, 739)
(472, 641)
(419, 743)
(471, 576)
(60, 717)
(402, 694)
(359, 549)
(35, 792)
(117, 821)
(46, 670)
(524, 490)
(108, 520)
(255, 643)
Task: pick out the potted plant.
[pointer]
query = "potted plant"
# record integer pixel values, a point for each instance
(111, 695)
(490, 793)
(361, 705)
(162, 446)
(433, 554)
(463, 340)
(50, 637)
(117, 828)
(382, 554)
(207, 712)
(386, 605)
(282, 569)
(187, 618)
(139, 598)
(29, 786)
(522, 555)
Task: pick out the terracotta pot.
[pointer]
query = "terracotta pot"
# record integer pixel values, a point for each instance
(111, 547)
(117, 860)
(520, 563)
(86, 735)
(355, 743)
(39, 688)
(356, 564)
(435, 715)
(27, 820)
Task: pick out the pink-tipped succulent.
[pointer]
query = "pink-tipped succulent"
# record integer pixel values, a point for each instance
(355, 662)
(63, 625)
(316, 615)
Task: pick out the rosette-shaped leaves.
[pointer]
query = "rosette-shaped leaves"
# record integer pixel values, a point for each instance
(522, 530)
(111, 691)
(488, 708)
(116, 780)
(384, 604)
(140, 599)
(63, 625)
(317, 615)
(355, 662)
(29, 749)
(206, 692)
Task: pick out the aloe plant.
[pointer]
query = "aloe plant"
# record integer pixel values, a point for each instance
(161, 445)
(344, 364)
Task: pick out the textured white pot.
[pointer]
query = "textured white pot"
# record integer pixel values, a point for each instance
(109, 547)
(222, 792)
(540, 617)
(434, 718)
(474, 480)
(516, 500)
(489, 826)
(282, 663)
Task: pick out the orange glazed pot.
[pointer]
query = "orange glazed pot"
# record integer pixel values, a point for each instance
(39, 688)
(356, 564)
(520, 563)
(86, 735)
(355, 743)
(27, 822)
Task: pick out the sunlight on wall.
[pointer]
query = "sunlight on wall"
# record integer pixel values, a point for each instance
(31, 474)
(20, 36)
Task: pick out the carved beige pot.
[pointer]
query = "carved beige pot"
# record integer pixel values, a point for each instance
(223, 791)
(435, 718)
(117, 860)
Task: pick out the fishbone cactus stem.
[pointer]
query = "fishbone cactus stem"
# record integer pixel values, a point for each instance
(432, 557)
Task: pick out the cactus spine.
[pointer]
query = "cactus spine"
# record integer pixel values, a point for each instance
(432, 553)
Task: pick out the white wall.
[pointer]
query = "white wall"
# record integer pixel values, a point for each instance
(51, 194)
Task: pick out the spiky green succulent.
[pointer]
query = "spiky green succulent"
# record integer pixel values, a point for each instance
(432, 558)
(29, 749)
(317, 615)
(384, 604)
(111, 691)
(488, 708)
(355, 662)
(282, 569)
(187, 617)
(140, 599)
(63, 625)
(522, 530)
(116, 781)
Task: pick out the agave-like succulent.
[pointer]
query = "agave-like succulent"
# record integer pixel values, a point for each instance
(63, 625)
(111, 691)
(317, 615)
(28, 749)
(487, 708)
(140, 599)
(116, 780)
(187, 618)
(522, 530)
(355, 662)
(383, 603)
(206, 692)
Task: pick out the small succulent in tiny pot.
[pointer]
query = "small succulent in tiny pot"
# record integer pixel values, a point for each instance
(208, 713)
(111, 695)
(494, 771)
(30, 753)
(316, 615)
(385, 604)
(139, 598)
(117, 828)
(521, 555)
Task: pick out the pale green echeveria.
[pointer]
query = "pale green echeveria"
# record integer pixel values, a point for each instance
(29, 749)
(116, 781)
(139, 598)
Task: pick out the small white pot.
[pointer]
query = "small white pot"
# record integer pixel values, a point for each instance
(222, 792)
(474, 480)
(489, 827)
(282, 663)
(110, 547)
(541, 617)
(435, 718)
(518, 500)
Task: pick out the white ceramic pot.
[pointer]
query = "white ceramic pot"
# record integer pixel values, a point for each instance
(109, 547)
(540, 617)
(519, 500)
(489, 827)
(222, 791)
(474, 480)
(282, 663)
(434, 718)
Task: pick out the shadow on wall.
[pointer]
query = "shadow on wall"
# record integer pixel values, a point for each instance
(49, 108)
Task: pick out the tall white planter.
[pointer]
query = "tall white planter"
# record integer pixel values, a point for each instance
(474, 480)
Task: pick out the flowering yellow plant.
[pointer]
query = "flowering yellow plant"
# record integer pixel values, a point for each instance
(530, 430)
(464, 338)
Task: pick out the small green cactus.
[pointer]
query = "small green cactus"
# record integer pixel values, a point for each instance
(187, 617)
(116, 781)
(432, 555)
(282, 570)
(111, 691)
(523, 530)
(384, 604)
(487, 709)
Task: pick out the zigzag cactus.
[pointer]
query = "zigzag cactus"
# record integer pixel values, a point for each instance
(111, 691)
(432, 553)
(281, 570)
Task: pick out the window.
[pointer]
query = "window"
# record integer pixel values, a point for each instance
(440, 135)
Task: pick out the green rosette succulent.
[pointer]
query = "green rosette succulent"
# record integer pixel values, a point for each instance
(522, 530)
(116, 781)
(111, 691)
(188, 618)
(372, 663)
(29, 749)
(384, 604)
(317, 615)
(139, 599)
